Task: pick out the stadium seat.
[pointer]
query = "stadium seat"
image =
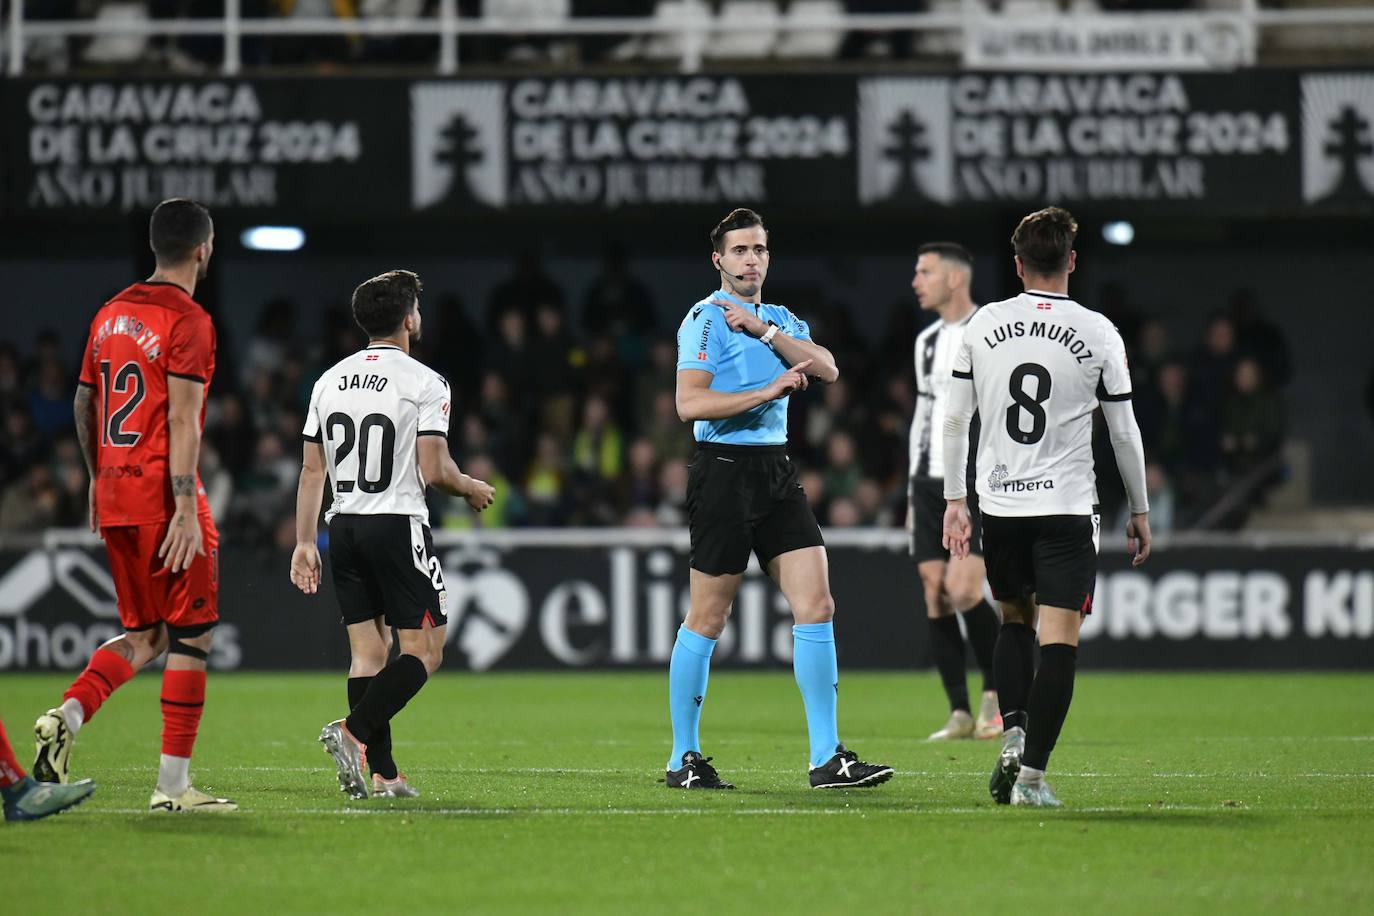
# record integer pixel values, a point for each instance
(945, 43)
(745, 29)
(117, 47)
(811, 42)
(667, 44)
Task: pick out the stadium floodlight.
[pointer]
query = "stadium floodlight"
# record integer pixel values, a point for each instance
(1118, 232)
(273, 238)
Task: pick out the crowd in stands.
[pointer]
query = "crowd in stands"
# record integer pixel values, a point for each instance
(744, 29)
(575, 423)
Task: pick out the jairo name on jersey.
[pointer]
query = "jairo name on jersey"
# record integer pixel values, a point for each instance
(1048, 330)
(367, 382)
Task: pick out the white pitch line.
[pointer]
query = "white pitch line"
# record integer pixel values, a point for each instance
(756, 771)
(403, 811)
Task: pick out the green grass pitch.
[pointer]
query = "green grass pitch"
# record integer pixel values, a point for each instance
(1184, 793)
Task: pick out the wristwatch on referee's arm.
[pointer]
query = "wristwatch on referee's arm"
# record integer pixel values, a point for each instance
(769, 334)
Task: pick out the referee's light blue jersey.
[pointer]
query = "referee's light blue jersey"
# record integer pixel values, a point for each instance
(738, 361)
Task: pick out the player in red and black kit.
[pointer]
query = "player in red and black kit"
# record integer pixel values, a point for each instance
(140, 407)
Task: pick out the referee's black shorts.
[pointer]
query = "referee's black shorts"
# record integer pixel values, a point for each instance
(384, 566)
(926, 503)
(742, 498)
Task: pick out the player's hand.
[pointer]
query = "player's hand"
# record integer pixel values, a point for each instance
(92, 513)
(794, 379)
(740, 319)
(480, 494)
(305, 568)
(182, 543)
(958, 529)
(1138, 538)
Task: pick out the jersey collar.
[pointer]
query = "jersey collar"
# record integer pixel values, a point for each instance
(382, 347)
(1044, 295)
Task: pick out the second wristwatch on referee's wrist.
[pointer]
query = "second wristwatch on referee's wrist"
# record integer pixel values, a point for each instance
(769, 334)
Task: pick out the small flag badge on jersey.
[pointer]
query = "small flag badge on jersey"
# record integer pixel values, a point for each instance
(372, 357)
(1043, 306)
(702, 356)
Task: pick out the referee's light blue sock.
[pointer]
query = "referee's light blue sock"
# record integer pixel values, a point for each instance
(687, 675)
(818, 676)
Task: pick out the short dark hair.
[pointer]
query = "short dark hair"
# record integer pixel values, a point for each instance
(381, 304)
(949, 251)
(739, 218)
(176, 227)
(1043, 240)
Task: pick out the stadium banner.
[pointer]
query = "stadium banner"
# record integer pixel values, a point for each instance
(614, 599)
(1115, 41)
(361, 148)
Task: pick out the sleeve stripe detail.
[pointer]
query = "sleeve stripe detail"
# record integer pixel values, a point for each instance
(189, 378)
(309, 438)
(432, 432)
(958, 374)
(1103, 396)
(85, 383)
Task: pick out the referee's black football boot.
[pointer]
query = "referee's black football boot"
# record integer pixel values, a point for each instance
(846, 771)
(1008, 766)
(696, 773)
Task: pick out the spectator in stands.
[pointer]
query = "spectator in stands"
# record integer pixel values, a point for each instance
(671, 510)
(618, 304)
(824, 420)
(50, 401)
(459, 352)
(271, 341)
(229, 429)
(1259, 337)
(1177, 432)
(843, 513)
(842, 471)
(672, 439)
(22, 447)
(554, 362)
(1251, 425)
(1214, 363)
(11, 378)
(524, 290)
(69, 477)
(319, 50)
(31, 501)
(546, 484)
(1150, 354)
(637, 487)
(654, 380)
(510, 355)
(597, 456)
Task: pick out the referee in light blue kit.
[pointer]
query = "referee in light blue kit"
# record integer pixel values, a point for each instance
(738, 360)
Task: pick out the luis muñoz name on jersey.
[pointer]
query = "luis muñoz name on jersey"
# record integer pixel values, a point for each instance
(1068, 337)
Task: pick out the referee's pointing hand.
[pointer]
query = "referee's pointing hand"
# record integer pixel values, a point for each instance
(793, 379)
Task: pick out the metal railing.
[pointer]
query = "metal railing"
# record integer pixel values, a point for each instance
(694, 28)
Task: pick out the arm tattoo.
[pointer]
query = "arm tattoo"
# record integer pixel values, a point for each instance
(84, 420)
(183, 484)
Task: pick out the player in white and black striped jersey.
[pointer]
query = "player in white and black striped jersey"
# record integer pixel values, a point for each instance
(1036, 366)
(378, 427)
(944, 272)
